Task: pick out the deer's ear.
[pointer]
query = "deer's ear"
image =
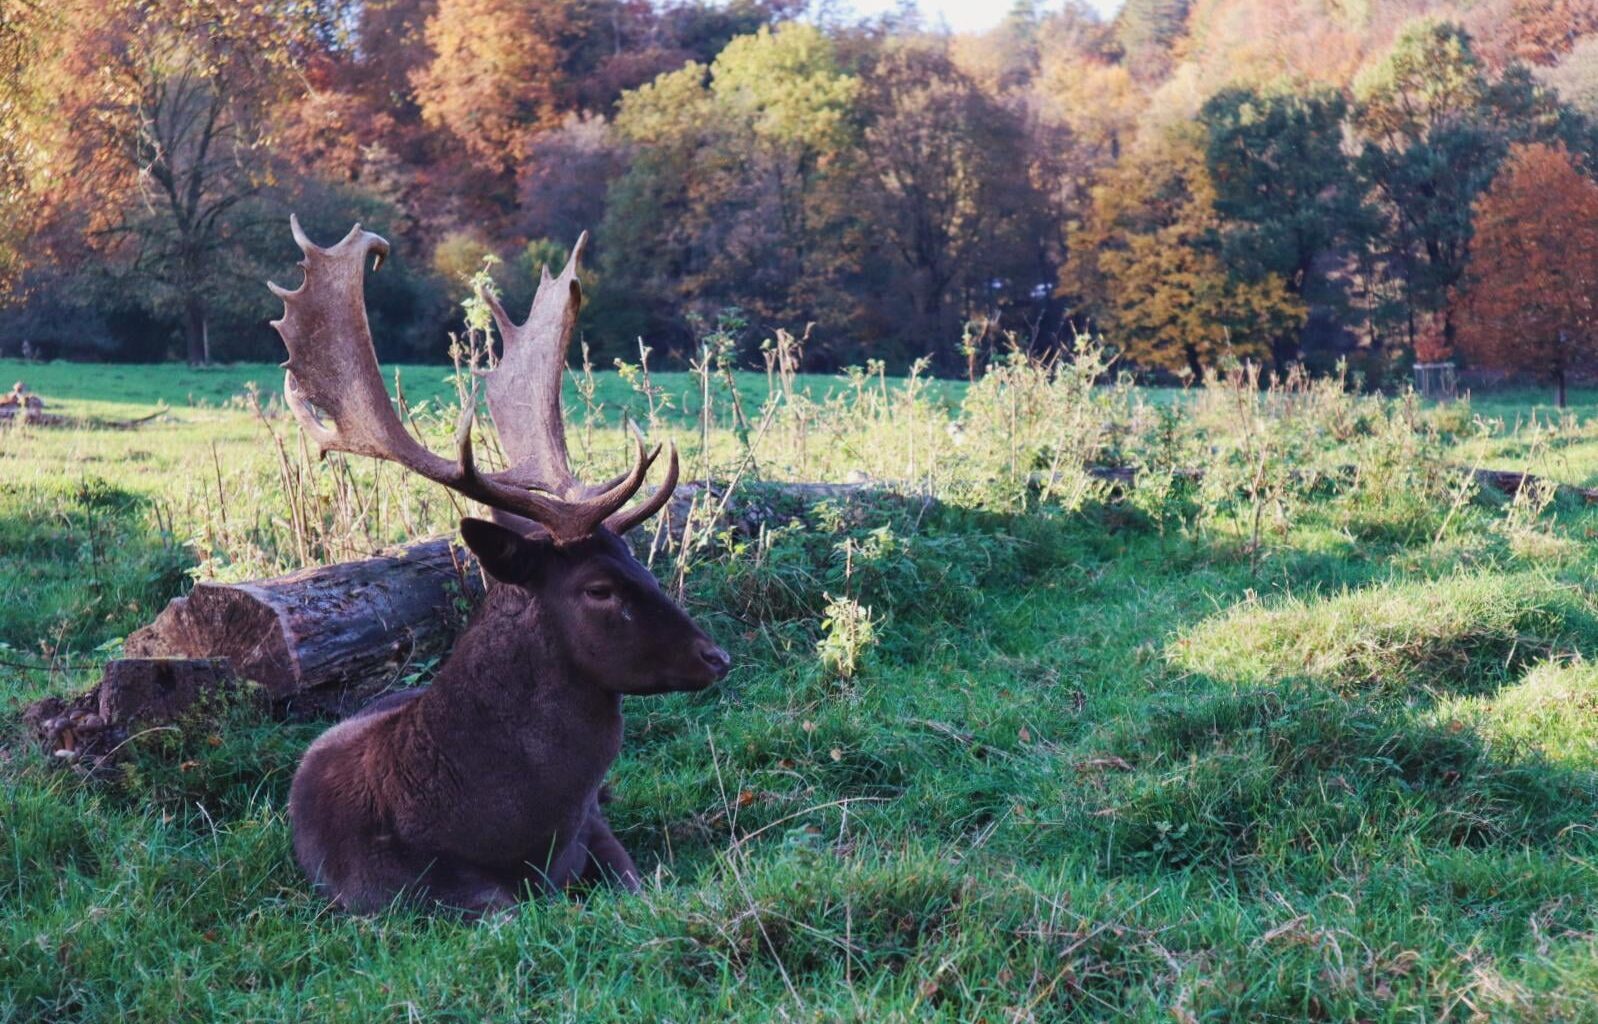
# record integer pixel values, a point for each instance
(504, 554)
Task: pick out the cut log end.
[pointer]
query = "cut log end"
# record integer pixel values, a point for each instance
(222, 621)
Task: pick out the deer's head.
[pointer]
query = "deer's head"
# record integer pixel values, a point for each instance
(605, 613)
(556, 539)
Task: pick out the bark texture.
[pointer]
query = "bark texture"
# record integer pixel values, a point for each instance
(350, 625)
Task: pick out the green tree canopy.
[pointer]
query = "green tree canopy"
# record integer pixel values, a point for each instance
(1434, 126)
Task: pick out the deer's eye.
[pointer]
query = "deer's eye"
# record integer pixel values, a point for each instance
(599, 591)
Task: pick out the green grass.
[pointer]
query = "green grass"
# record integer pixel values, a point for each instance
(1104, 760)
(123, 391)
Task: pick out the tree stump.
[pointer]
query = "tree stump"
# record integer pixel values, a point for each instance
(134, 693)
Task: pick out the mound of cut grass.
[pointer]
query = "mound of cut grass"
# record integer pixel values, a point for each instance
(1466, 634)
(1552, 710)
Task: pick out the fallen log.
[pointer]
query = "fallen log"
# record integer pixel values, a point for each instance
(318, 641)
(348, 629)
(1511, 482)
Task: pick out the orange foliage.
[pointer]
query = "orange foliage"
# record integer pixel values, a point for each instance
(1531, 301)
(496, 77)
(1533, 31)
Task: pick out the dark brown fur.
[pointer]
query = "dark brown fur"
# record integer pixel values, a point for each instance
(486, 785)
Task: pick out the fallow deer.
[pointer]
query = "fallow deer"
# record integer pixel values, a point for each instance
(486, 785)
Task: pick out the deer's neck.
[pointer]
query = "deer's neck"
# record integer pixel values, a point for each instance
(507, 697)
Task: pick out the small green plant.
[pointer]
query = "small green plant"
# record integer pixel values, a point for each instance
(636, 375)
(848, 632)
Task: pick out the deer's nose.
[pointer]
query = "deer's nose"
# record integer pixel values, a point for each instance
(716, 659)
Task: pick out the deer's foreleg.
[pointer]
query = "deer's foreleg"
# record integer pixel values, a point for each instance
(607, 861)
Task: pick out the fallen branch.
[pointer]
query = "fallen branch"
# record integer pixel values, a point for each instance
(137, 421)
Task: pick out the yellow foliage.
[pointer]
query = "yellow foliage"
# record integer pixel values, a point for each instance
(1149, 263)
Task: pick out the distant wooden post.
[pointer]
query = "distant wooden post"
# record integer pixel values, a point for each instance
(1437, 381)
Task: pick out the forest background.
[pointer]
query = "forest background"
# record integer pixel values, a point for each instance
(1282, 180)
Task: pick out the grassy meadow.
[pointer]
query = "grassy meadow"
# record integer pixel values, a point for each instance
(1313, 736)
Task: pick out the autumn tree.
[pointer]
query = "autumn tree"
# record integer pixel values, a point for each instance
(1575, 77)
(1536, 32)
(392, 48)
(359, 91)
(1005, 58)
(1150, 267)
(503, 71)
(496, 74)
(735, 191)
(1259, 42)
(1530, 302)
(158, 134)
(562, 181)
(1434, 126)
(22, 26)
(1097, 100)
(949, 184)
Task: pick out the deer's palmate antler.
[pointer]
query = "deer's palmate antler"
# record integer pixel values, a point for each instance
(332, 367)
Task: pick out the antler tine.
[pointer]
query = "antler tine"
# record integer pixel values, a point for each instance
(580, 517)
(623, 521)
(524, 389)
(332, 366)
(600, 506)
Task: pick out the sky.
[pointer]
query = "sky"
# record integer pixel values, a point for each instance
(962, 15)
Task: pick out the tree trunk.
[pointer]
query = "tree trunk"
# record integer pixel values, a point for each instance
(929, 320)
(194, 329)
(346, 630)
(1284, 353)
